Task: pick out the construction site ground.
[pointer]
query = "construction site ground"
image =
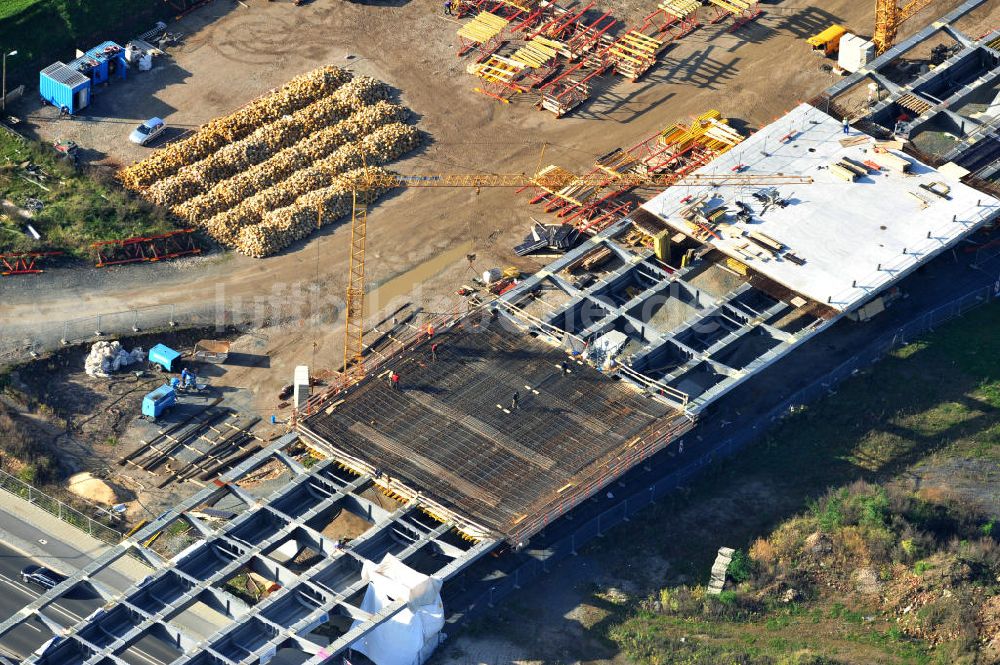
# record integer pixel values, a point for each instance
(88, 424)
(418, 240)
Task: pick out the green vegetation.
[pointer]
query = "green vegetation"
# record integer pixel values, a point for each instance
(18, 453)
(44, 31)
(868, 523)
(77, 210)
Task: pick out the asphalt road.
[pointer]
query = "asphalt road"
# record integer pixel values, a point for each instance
(15, 594)
(67, 611)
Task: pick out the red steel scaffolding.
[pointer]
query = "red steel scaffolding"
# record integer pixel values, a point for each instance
(149, 248)
(23, 263)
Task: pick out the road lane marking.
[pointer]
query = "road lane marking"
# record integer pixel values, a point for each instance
(72, 615)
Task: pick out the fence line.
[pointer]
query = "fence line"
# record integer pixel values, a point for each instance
(641, 498)
(55, 507)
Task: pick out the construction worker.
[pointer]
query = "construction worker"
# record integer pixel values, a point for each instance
(565, 367)
(514, 400)
(394, 380)
(434, 352)
(186, 378)
(847, 126)
(447, 7)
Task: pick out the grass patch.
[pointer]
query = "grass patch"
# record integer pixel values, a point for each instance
(828, 490)
(79, 209)
(44, 31)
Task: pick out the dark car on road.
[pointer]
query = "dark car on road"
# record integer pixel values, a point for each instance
(41, 576)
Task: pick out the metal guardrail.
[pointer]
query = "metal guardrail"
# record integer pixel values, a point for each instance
(63, 511)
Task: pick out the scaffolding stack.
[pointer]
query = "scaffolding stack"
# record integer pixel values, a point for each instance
(481, 34)
(634, 53)
(597, 200)
(676, 17)
(559, 53)
(742, 11)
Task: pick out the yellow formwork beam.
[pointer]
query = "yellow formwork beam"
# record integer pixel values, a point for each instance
(483, 27)
(534, 54)
(680, 8)
(735, 7)
(497, 69)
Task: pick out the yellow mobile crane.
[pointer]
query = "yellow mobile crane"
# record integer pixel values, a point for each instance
(888, 16)
(551, 179)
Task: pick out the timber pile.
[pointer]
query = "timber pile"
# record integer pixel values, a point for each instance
(249, 179)
(381, 146)
(279, 228)
(297, 93)
(228, 193)
(266, 141)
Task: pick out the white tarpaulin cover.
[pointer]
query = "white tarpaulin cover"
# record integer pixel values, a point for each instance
(105, 358)
(410, 636)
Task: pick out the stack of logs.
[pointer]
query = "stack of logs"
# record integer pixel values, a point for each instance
(254, 180)
(297, 93)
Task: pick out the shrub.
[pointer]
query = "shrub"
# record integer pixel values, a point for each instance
(829, 510)
(874, 509)
(741, 567)
(763, 552)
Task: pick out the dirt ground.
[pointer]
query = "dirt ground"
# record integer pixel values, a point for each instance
(418, 240)
(87, 424)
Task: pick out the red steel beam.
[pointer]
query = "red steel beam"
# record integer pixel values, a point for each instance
(23, 263)
(162, 247)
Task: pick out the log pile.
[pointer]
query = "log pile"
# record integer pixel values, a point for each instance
(266, 141)
(296, 94)
(254, 180)
(228, 193)
(279, 228)
(380, 147)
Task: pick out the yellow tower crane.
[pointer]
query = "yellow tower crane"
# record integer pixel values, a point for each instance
(551, 179)
(888, 16)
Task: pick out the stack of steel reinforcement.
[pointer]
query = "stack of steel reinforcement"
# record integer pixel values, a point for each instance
(248, 182)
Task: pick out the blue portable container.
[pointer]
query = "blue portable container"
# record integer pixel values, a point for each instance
(69, 86)
(163, 356)
(158, 401)
(64, 87)
(103, 62)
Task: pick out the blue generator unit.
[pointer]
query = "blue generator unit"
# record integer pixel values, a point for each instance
(164, 356)
(156, 403)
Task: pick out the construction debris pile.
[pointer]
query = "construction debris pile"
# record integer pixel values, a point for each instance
(556, 237)
(255, 180)
(105, 358)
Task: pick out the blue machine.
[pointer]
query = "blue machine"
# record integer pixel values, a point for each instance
(154, 404)
(164, 356)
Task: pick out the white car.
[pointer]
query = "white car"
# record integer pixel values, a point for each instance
(147, 131)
